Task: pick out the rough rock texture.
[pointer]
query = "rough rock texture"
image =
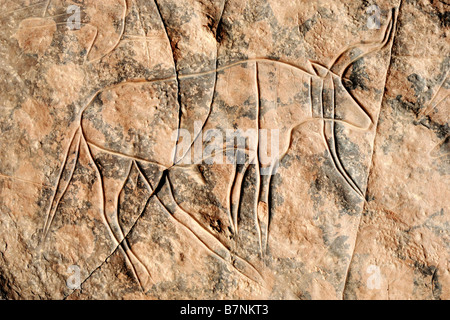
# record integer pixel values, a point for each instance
(93, 162)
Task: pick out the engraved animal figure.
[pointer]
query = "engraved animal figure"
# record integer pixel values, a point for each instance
(133, 122)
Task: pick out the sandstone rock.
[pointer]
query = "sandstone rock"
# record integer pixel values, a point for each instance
(117, 180)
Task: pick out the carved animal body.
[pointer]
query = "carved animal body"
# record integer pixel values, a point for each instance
(135, 121)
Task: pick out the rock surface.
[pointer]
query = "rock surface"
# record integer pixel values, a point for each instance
(104, 195)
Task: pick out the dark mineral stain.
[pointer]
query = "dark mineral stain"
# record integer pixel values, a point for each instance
(358, 76)
(425, 270)
(414, 109)
(441, 130)
(339, 246)
(444, 18)
(351, 157)
(418, 83)
(306, 26)
(436, 286)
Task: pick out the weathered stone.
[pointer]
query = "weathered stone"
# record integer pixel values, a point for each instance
(105, 194)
